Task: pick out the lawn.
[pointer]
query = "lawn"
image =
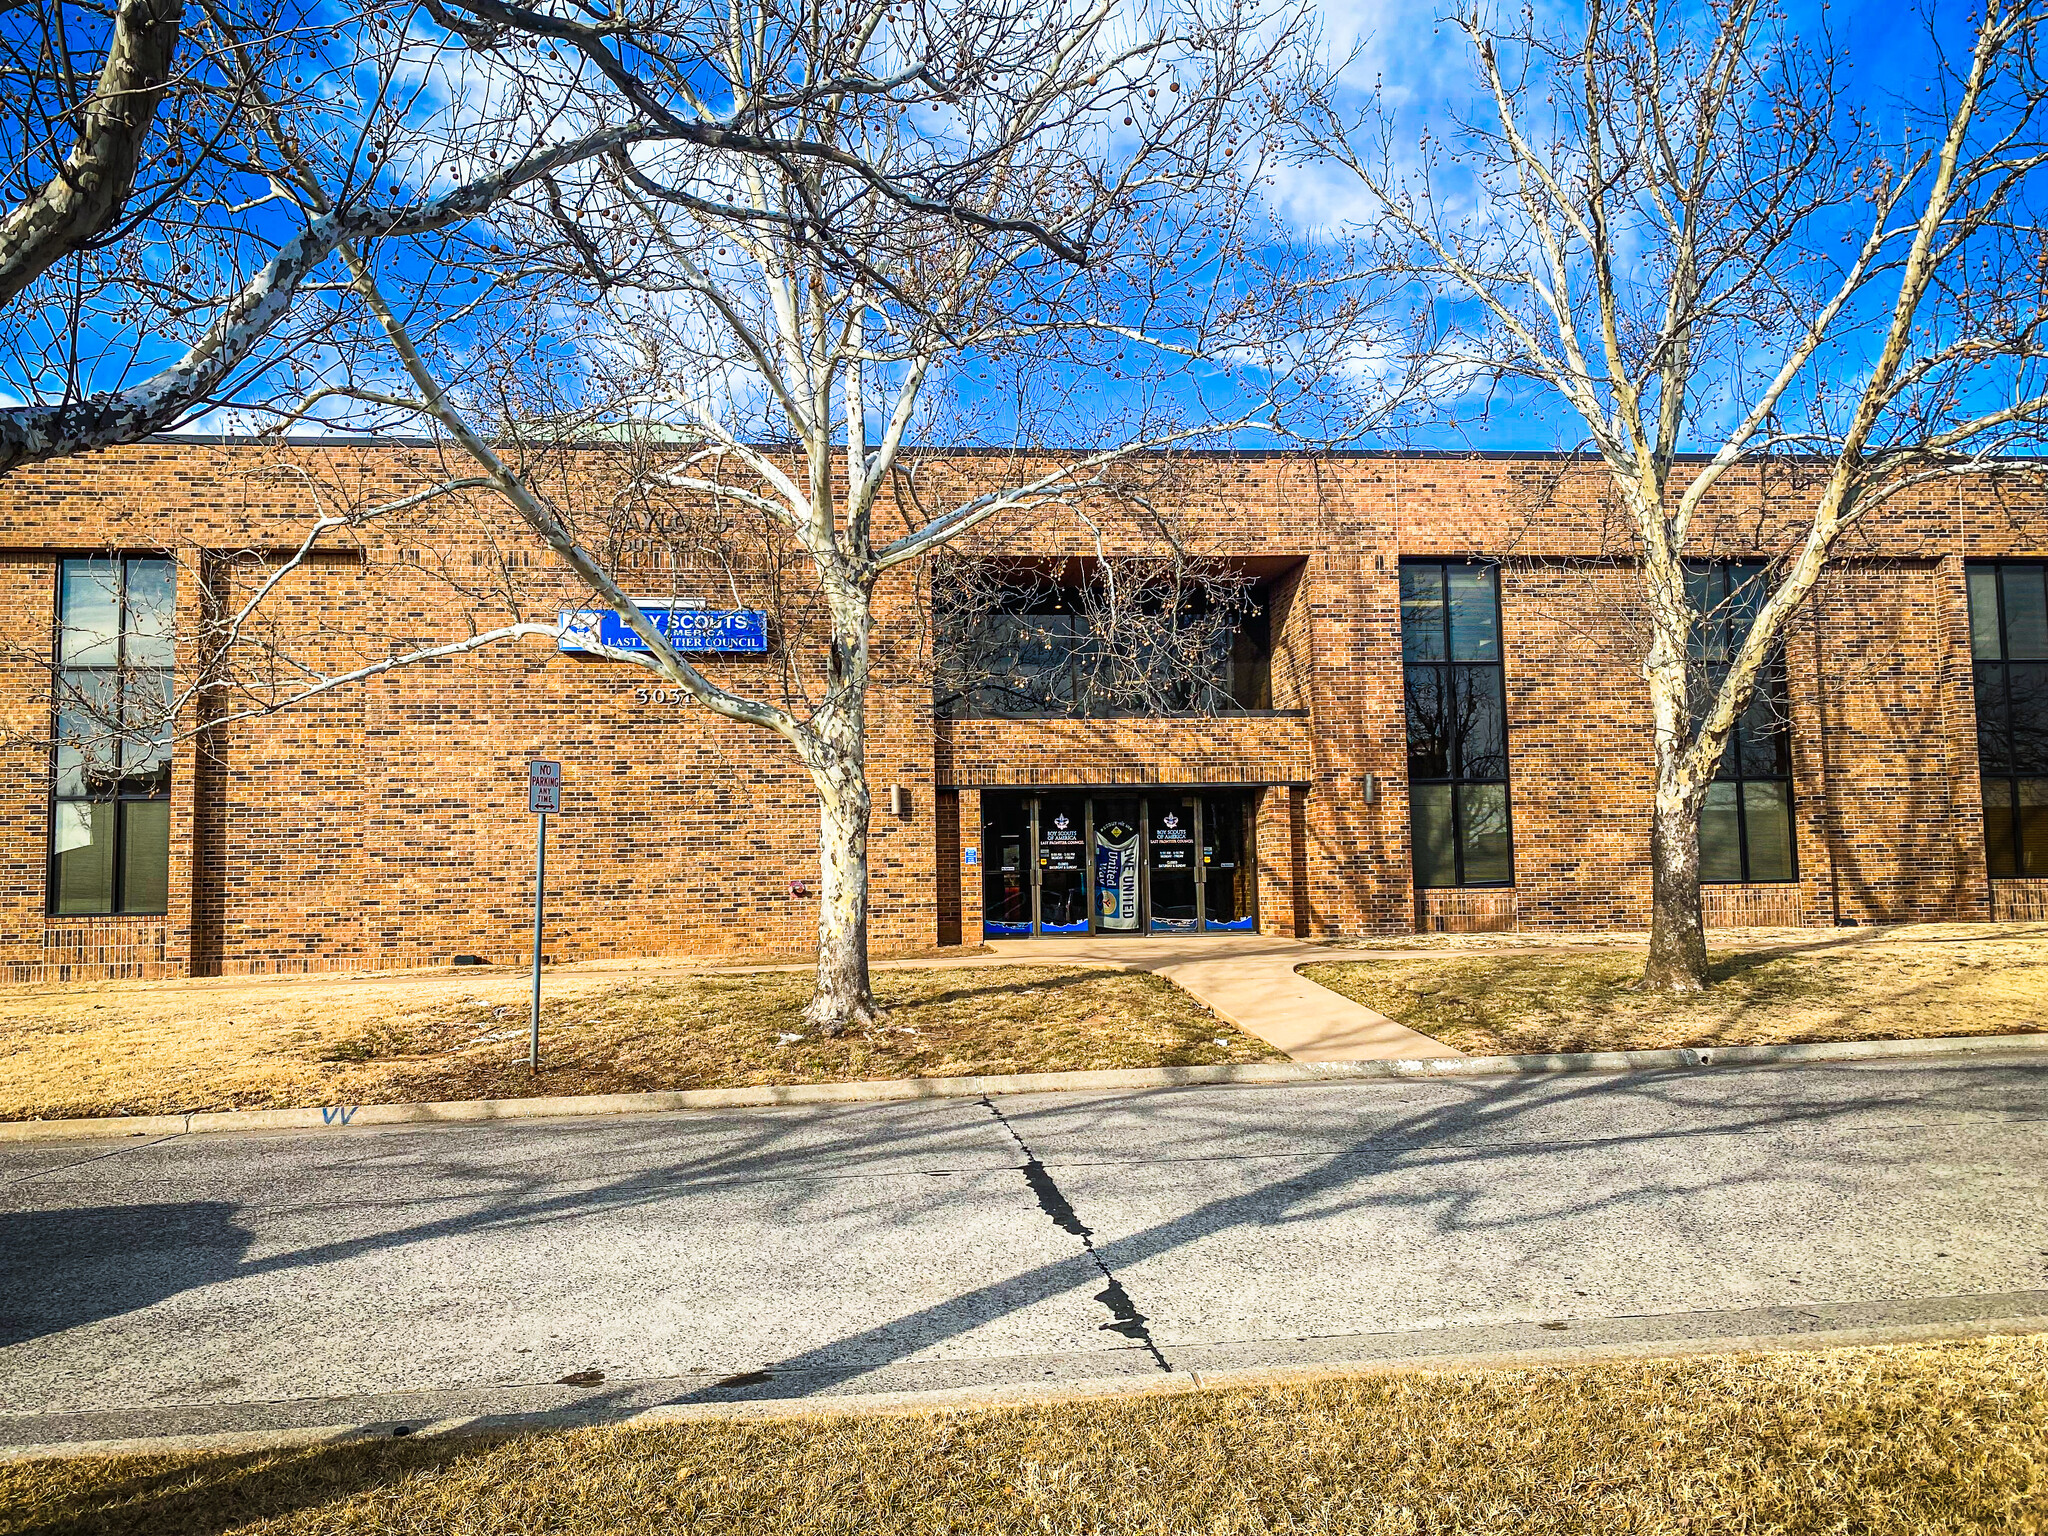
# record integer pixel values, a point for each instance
(1905, 1439)
(1584, 998)
(174, 1046)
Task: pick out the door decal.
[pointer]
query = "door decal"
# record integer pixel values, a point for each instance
(1116, 875)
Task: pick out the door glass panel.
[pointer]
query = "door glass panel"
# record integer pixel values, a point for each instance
(1116, 865)
(1171, 853)
(1062, 877)
(1227, 868)
(1006, 879)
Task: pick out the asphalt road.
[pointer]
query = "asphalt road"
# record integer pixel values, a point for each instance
(209, 1284)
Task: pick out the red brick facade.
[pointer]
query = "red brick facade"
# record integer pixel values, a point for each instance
(384, 824)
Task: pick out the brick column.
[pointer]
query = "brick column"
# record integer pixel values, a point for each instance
(969, 875)
(1280, 855)
(1970, 898)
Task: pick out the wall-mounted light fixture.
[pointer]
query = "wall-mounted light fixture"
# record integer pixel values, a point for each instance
(899, 800)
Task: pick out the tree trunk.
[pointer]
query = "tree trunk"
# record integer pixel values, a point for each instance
(844, 999)
(1678, 938)
(837, 758)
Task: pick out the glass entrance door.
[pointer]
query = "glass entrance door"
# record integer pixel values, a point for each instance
(1069, 862)
(1006, 888)
(1228, 874)
(1171, 871)
(1118, 863)
(1062, 876)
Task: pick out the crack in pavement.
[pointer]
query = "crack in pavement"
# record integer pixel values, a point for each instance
(1125, 1318)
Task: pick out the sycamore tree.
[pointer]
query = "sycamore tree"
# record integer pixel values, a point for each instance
(1728, 252)
(1025, 228)
(781, 241)
(183, 182)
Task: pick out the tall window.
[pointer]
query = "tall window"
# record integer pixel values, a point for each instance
(1746, 827)
(110, 821)
(2009, 643)
(1457, 724)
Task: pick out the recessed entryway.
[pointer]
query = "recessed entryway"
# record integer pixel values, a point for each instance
(1076, 861)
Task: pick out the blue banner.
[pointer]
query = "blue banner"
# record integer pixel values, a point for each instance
(691, 630)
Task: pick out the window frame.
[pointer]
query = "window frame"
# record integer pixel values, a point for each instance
(122, 672)
(1446, 668)
(1772, 684)
(2009, 772)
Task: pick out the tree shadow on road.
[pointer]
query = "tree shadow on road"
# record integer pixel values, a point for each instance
(62, 1268)
(1346, 1150)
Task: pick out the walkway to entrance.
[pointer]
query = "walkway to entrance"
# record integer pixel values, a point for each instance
(1251, 981)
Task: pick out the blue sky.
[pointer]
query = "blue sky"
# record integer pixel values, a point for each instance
(1425, 78)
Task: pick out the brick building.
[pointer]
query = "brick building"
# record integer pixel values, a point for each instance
(1436, 724)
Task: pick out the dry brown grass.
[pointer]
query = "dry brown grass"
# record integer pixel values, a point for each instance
(168, 1047)
(1921, 984)
(1903, 1439)
(1718, 938)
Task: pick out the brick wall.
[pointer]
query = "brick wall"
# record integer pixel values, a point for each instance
(385, 824)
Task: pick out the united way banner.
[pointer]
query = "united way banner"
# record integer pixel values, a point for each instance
(1116, 875)
(700, 631)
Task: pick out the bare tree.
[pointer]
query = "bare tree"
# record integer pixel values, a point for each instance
(1684, 225)
(1011, 227)
(68, 194)
(182, 182)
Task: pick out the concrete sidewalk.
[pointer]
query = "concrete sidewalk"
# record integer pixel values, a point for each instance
(1252, 981)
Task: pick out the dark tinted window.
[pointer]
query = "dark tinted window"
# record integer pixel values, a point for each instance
(1027, 643)
(110, 821)
(1457, 723)
(2009, 648)
(1746, 831)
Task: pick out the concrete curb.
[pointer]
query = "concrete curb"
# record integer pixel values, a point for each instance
(967, 1399)
(1134, 1080)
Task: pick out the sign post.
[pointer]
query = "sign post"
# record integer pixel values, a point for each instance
(543, 794)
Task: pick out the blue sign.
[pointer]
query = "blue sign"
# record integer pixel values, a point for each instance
(690, 630)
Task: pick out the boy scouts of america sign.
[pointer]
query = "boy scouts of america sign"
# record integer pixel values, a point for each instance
(592, 631)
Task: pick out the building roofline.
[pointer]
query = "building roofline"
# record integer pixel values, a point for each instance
(1420, 455)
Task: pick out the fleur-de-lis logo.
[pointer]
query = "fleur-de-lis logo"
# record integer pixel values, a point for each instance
(1060, 822)
(1169, 820)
